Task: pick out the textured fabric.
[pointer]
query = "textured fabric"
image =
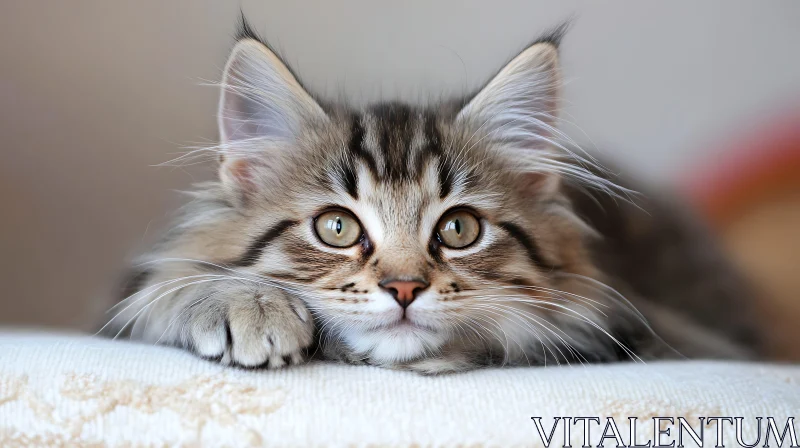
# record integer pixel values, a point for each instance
(58, 390)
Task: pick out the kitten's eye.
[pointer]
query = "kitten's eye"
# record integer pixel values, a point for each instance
(459, 229)
(337, 228)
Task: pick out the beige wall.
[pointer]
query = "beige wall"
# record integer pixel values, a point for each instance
(92, 93)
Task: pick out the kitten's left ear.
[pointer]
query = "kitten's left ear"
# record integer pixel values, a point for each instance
(521, 102)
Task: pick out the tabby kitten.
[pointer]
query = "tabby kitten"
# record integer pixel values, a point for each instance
(434, 239)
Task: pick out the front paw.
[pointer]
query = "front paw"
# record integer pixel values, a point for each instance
(251, 329)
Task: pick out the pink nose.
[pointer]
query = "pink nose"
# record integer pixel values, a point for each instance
(404, 291)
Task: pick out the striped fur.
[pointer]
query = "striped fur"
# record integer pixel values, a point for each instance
(243, 278)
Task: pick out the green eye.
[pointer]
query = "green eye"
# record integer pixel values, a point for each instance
(458, 229)
(337, 228)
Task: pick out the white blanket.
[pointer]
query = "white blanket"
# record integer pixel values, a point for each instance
(58, 390)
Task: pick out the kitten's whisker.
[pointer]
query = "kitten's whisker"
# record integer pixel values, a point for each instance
(583, 318)
(159, 286)
(576, 315)
(157, 299)
(617, 296)
(468, 319)
(461, 324)
(154, 287)
(584, 299)
(489, 308)
(507, 350)
(277, 283)
(547, 326)
(528, 299)
(496, 336)
(529, 327)
(181, 313)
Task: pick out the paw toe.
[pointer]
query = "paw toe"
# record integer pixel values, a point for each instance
(208, 342)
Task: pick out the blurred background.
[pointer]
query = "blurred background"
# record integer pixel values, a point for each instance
(699, 97)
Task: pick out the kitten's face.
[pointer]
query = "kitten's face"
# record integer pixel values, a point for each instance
(403, 229)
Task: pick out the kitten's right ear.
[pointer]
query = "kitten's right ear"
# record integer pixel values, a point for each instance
(261, 98)
(262, 109)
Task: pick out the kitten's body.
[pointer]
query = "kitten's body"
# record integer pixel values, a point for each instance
(244, 278)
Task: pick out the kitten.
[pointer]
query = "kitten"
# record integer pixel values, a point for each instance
(435, 239)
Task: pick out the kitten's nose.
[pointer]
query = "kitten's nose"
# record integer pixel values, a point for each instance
(404, 291)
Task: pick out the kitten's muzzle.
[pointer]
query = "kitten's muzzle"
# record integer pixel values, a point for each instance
(404, 291)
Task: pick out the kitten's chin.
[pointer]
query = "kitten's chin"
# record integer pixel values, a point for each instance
(399, 343)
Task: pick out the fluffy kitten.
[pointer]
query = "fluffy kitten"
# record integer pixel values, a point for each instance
(435, 239)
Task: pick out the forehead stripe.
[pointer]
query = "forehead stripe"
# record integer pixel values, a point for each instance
(393, 126)
(356, 146)
(432, 135)
(445, 169)
(443, 166)
(349, 178)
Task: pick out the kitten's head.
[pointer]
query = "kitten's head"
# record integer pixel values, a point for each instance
(404, 228)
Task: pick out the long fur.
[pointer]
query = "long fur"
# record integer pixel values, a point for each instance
(244, 278)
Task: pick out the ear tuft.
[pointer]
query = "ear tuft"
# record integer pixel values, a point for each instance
(245, 31)
(555, 35)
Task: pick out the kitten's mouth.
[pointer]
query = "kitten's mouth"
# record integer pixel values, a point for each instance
(406, 324)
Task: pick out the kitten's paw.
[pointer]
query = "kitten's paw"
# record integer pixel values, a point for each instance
(252, 330)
